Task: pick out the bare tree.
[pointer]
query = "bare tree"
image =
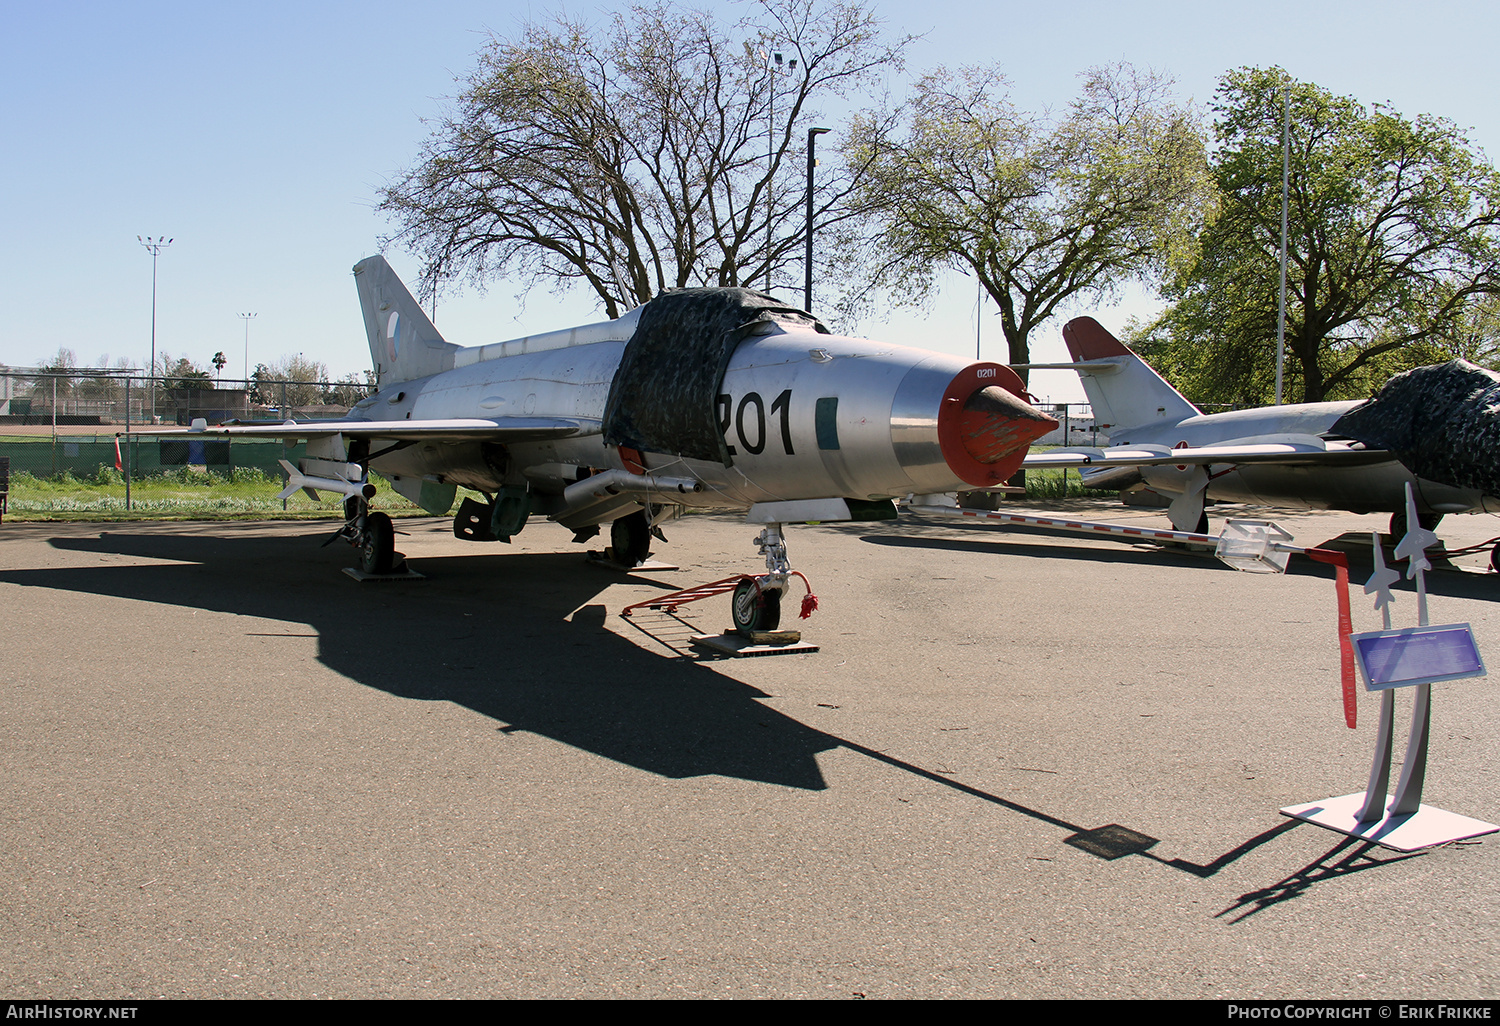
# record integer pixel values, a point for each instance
(57, 376)
(294, 380)
(104, 384)
(655, 152)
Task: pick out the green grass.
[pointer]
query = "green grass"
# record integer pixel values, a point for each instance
(1059, 483)
(245, 493)
(250, 493)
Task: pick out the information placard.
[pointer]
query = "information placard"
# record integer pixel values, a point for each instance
(1417, 655)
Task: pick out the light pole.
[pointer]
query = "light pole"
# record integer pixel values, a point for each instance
(247, 317)
(777, 62)
(154, 247)
(1286, 163)
(812, 162)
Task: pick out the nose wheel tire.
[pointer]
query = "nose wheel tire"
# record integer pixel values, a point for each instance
(378, 550)
(754, 608)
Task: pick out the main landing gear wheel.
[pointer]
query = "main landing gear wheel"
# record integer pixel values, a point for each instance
(378, 550)
(754, 608)
(1427, 521)
(630, 538)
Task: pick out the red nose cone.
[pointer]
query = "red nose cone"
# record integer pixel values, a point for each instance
(985, 427)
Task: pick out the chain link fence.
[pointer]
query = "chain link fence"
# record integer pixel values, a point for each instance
(85, 422)
(109, 397)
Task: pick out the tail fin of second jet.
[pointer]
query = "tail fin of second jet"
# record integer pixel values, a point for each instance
(1122, 388)
(404, 344)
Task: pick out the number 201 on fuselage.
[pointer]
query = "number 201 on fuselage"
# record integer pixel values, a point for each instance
(748, 420)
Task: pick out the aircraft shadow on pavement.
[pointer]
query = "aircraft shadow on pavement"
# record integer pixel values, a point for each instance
(519, 638)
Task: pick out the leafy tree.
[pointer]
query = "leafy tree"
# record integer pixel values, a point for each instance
(1392, 248)
(349, 389)
(181, 372)
(1477, 338)
(639, 156)
(1041, 209)
(259, 385)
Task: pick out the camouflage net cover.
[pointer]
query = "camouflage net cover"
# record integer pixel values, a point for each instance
(1442, 422)
(664, 395)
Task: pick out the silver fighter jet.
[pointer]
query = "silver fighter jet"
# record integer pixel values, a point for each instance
(716, 398)
(1437, 428)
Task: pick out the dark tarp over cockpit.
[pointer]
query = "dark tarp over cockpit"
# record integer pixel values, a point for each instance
(1442, 422)
(663, 398)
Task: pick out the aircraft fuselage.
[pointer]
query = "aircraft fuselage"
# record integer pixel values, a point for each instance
(1378, 486)
(804, 415)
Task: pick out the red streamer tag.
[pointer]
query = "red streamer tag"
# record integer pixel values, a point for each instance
(809, 601)
(1340, 563)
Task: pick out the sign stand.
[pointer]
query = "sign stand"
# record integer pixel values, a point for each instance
(1390, 659)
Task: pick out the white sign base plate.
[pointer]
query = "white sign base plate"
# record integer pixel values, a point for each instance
(1425, 828)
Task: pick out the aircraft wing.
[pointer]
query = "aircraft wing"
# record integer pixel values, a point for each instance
(1287, 453)
(459, 429)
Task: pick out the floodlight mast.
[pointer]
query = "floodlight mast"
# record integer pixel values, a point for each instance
(776, 61)
(247, 317)
(154, 247)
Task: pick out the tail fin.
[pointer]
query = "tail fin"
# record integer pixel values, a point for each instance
(404, 345)
(1122, 388)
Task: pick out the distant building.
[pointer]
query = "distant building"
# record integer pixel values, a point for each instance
(182, 405)
(1075, 426)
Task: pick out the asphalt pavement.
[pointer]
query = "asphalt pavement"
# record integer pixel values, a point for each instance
(1021, 765)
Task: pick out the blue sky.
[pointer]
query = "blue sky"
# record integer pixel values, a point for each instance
(258, 136)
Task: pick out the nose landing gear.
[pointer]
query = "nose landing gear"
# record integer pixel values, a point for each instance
(755, 607)
(755, 602)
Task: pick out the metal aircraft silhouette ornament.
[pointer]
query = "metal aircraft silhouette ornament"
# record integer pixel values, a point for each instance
(1390, 659)
(701, 398)
(1381, 580)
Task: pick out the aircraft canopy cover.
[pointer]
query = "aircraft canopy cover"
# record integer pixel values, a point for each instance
(664, 396)
(1442, 422)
